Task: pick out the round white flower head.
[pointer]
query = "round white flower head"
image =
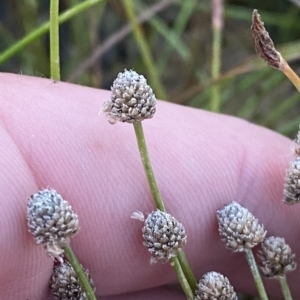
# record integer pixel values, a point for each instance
(292, 182)
(163, 236)
(238, 228)
(276, 257)
(51, 220)
(64, 283)
(132, 99)
(215, 286)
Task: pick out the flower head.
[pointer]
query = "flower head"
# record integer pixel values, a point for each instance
(51, 220)
(215, 286)
(276, 257)
(132, 99)
(238, 228)
(163, 236)
(292, 182)
(64, 283)
(264, 45)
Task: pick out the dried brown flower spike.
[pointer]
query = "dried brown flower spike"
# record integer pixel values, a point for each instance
(276, 257)
(264, 45)
(51, 220)
(213, 286)
(163, 235)
(265, 48)
(238, 228)
(64, 283)
(132, 99)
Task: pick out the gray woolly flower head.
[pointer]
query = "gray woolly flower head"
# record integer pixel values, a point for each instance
(276, 257)
(292, 182)
(163, 235)
(64, 283)
(132, 99)
(215, 286)
(238, 228)
(51, 220)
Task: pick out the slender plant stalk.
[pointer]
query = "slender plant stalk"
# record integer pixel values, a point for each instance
(217, 28)
(187, 270)
(139, 132)
(55, 74)
(256, 275)
(158, 200)
(145, 50)
(182, 279)
(54, 40)
(84, 282)
(215, 71)
(44, 28)
(291, 75)
(285, 288)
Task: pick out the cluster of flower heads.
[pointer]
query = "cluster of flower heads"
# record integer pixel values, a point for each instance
(132, 99)
(51, 221)
(240, 231)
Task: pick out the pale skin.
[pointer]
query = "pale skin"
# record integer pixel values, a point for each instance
(51, 135)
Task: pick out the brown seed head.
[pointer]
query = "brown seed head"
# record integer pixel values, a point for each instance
(264, 45)
(276, 257)
(238, 228)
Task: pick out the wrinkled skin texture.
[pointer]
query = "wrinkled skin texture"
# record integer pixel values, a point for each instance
(52, 136)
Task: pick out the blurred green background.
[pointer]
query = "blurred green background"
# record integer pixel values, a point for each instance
(99, 43)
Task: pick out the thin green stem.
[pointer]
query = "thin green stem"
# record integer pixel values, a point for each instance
(187, 270)
(145, 50)
(285, 288)
(256, 275)
(182, 280)
(215, 70)
(54, 40)
(138, 128)
(217, 28)
(44, 28)
(84, 281)
(188, 273)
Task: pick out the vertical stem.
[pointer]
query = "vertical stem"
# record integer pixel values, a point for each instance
(185, 267)
(257, 278)
(145, 50)
(181, 277)
(217, 27)
(285, 288)
(84, 282)
(147, 165)
(54, 40)
(187, 270)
